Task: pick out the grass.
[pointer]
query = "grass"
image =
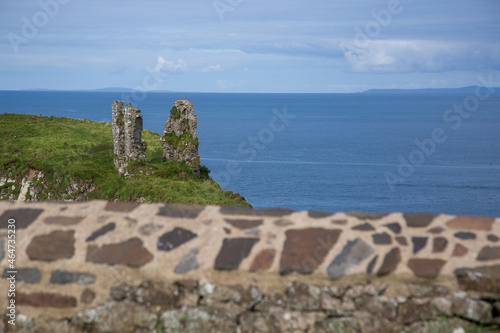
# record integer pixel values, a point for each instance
(65, 149)
(175, 113)
(183, 141)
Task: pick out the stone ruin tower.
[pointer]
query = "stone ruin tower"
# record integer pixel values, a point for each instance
(179, 140)
(127, 142)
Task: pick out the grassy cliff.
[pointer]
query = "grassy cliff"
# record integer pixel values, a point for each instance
(70, 152)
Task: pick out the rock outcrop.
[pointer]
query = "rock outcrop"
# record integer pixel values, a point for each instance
(34, 186)
(127, 129)
(179, 140)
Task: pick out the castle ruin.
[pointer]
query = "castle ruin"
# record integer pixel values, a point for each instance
(127, 130)
(179, 140)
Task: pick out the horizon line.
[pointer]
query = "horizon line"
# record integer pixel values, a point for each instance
(131, 90)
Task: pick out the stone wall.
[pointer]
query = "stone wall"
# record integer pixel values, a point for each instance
(127, 142)
(119, 267)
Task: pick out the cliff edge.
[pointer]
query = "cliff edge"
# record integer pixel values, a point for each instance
(64, 159)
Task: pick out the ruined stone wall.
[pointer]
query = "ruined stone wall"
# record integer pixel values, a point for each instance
(115, 267)
(127, 142)
(179, 140)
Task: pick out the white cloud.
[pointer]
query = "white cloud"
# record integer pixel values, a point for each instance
(396, 56)
(212, 68)
(169, 66)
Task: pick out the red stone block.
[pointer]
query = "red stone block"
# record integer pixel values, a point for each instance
(131, 253)
(426, 268)
(460, 250)
(46, 300)
(263, 260)
(305, 249)
(471, 223)
(53, 246)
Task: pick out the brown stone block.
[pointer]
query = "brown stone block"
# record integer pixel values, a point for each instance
(131, 253)
(489, 253)
(439, 244)
(53, 246)
(263, 260)
(436, 230)
(419, 220)
(459, 250)
(493, 238)
(426, 268)
(402, 240)
(46, 300)
(305, 249)
(471, 223)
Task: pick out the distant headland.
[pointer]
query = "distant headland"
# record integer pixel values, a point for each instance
(463, 90)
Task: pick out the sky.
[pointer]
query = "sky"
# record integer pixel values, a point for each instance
(294, 46)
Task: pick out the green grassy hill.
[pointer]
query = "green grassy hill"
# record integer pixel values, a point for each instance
(67, 150)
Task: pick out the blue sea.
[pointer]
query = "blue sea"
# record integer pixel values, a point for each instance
(328, 152)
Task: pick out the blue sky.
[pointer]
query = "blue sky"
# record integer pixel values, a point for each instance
(248, 45)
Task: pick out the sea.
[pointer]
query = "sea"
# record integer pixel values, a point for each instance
(372, 152)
